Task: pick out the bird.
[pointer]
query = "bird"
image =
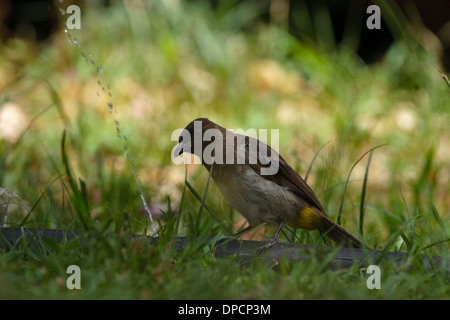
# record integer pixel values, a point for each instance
(240, 167)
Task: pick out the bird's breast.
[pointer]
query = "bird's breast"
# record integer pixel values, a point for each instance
(258, 199)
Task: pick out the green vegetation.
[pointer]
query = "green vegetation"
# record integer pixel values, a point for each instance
(165, 64)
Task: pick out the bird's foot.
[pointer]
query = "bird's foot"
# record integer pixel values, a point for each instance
(267, 245)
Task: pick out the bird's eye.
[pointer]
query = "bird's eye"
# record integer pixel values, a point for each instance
(180, 139)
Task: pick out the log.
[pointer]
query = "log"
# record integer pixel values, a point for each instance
(244, 250)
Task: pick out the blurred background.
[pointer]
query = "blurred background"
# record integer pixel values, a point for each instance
(137, 70)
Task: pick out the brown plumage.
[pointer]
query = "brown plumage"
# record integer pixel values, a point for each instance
(277, 199)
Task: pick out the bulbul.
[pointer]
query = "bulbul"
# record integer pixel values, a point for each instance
(257, 182)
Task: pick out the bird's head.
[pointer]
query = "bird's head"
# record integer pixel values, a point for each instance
(191, 138)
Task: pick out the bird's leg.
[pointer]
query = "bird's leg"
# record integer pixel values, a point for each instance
(272, 241)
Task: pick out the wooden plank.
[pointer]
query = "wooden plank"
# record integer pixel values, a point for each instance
(11, 238)
(340, 258)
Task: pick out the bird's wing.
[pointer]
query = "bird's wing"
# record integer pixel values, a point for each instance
(287, 177)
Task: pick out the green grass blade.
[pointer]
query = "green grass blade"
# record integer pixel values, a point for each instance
(363, 196)
(78, 200)
(33, 207)
(199, 198)
(348, 179)
(435, 244)
(313, 160)
(202, 203)
(180, 209)
(438, 219)
(389, 244)
(83, 193)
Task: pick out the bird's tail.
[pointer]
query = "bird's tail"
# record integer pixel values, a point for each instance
(337, 233)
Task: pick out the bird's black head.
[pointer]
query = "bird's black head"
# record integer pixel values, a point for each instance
(192, 135)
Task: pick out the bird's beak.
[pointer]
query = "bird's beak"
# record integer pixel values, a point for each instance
(180, 148)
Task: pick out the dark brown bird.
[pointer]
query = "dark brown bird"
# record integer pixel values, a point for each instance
(258, 183)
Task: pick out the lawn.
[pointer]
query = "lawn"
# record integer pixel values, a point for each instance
(86, 123)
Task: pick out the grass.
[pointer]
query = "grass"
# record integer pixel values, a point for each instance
(166, 64)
